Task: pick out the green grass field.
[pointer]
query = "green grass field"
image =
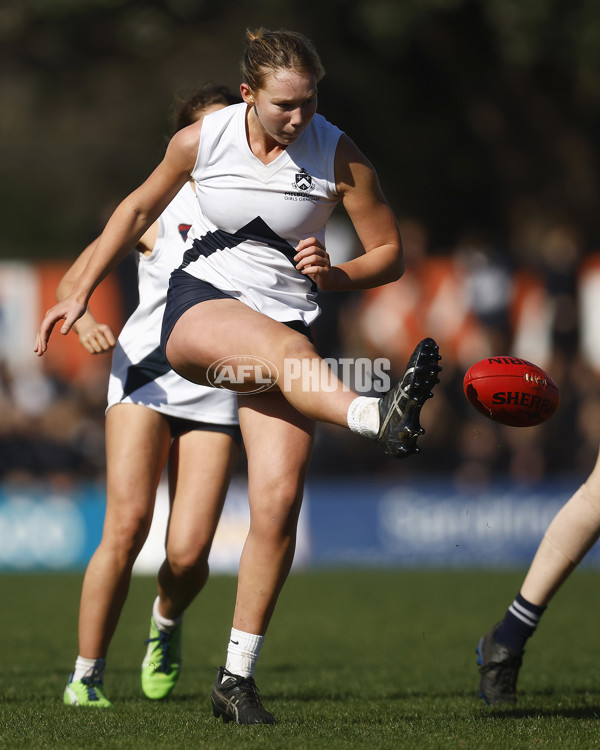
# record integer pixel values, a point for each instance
(353, 659)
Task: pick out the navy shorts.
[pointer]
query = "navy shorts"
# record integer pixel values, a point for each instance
(179, 426)
(185, 291)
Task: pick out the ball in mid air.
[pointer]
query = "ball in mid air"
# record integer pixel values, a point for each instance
(511, 391)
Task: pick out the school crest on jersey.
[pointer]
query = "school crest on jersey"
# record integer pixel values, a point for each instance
(303, 181)
(183, 230)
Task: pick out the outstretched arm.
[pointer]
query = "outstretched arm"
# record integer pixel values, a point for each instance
(128, 223)
(95, 337)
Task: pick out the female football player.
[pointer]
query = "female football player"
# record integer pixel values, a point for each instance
(569, 537)
(268, 173)
(153, 415)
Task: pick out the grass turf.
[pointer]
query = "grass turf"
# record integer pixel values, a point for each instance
(354, 659)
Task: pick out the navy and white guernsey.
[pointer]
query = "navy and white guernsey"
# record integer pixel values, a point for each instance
(140, 374)
(250, 216)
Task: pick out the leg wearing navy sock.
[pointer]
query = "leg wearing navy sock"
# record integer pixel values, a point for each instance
(519, 623)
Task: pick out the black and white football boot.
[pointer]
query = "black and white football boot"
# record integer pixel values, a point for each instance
(399, 409)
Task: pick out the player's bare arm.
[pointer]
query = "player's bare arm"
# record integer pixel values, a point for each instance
(132, 218)
(95, 337)
(374, 222)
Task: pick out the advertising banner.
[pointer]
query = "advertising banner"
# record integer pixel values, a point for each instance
(343, 523)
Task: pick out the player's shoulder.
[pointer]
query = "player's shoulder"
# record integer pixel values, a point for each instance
(352, 168)
(220, 118)
(226, 113)
(189, 136)
(183, 146)
(347, 152)
(320, 122)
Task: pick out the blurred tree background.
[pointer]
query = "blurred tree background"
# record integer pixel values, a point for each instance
(476, 113)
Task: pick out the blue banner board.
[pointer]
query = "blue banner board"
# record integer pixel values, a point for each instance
(358, 523)
(431, 524)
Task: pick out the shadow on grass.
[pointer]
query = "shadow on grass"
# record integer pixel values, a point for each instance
(342, 695)
(585, 712)
(521, 712)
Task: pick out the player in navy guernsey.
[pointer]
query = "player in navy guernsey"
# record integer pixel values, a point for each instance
(268, 174)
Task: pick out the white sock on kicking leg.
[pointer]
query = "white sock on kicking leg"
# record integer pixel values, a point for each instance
(363, 416)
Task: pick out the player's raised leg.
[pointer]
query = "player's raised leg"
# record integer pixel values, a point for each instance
(218, 329)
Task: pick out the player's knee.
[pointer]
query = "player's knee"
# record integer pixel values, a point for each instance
(592, 487)
(185, 561)
(128, 534)
(284, 492)
(278, 513)
(297, 346)
(587, 498)
(576, 527)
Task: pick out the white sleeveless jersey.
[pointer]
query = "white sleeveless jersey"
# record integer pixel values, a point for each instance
(140, 374)
(250, 216)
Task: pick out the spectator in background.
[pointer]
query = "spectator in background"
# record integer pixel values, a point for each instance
(487, 287)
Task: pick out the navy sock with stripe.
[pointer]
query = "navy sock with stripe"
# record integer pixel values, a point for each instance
(519, 623)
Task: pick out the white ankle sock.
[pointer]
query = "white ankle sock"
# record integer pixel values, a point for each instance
(363, 416)
(242, 653)
(163, 623)
(84, 668)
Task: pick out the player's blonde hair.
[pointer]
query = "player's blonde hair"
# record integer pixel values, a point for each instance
(267, 51)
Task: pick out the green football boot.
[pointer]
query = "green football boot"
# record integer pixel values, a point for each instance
(162, 663)
(88, 691)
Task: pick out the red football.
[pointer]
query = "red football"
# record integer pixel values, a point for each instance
(511, 391)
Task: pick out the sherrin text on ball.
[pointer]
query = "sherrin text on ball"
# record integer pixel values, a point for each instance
(511, 391)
